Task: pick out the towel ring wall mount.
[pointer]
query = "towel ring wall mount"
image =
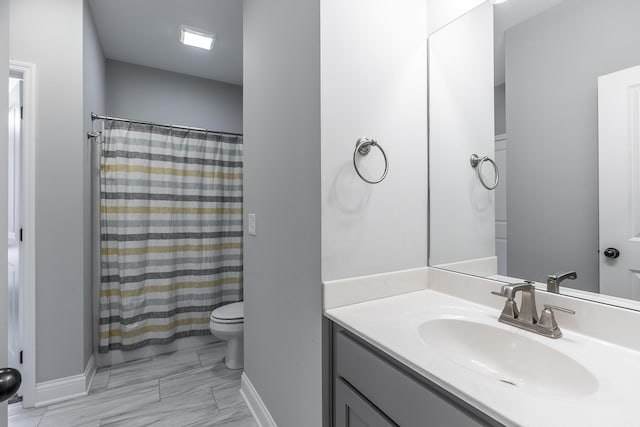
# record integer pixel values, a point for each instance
(363, 147)
(477, 162)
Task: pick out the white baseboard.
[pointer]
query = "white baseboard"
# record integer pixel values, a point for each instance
(255, 403)
(55, 391)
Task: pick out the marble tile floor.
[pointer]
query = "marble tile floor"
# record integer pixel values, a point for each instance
(184, 388)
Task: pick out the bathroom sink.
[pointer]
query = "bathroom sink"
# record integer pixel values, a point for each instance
(509, 357)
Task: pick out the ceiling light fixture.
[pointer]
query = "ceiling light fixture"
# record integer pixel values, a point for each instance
(197, 38)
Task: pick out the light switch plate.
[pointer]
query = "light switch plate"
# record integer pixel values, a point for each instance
(252, 224)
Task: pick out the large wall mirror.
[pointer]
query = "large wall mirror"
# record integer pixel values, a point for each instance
(549, 92)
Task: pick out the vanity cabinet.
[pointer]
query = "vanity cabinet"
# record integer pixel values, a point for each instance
(354, 410)
(370, 389)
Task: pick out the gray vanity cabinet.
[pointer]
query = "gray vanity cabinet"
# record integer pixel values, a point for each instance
(370, 389)
(353, 410)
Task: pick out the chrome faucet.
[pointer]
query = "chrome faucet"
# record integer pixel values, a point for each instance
(528, 313)
(526, 317)
(553, 281)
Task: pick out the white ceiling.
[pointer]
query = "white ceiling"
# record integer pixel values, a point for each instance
(147, 32)
(509, 14)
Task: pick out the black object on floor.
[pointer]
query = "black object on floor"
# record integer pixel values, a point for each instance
(10, 380)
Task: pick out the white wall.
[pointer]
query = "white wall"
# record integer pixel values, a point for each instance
(4, 102)
(462, 213)
(94, 88)
(144, 93)
(374, 68)
(282, 284)
(49, 34)
(442, 12)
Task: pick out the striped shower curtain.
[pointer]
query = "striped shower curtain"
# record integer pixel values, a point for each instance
(171, 232)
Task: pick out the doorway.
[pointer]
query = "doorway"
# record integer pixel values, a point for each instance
(14, 204)
(21, 228)
(619, 174)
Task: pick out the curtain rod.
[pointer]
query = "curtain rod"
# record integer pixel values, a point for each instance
(95, 116)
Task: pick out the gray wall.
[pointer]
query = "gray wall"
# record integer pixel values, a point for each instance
(4, 102)
(143, 93)
(500, 116)
(94, 89)
(283, 292)
(552, 63)
(38, 29)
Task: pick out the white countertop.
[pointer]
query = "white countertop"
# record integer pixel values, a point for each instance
(391, 324)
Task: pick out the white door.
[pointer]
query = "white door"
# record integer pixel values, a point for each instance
(3, 246)
(619, 181)
(14, 200)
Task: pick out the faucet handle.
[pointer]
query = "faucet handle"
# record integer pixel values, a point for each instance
(548, 320)
(508, 291)
(555, 307)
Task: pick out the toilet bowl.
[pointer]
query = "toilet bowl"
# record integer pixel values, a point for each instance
(227, 323)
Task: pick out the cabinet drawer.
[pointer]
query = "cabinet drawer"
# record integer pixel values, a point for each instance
(400, 396)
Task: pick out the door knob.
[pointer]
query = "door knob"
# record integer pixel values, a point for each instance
(10, 380)
(611, 253)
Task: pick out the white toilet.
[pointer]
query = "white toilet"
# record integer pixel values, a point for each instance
(227, 323)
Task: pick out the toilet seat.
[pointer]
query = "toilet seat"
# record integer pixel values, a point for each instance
(228, 314)
(226, 322)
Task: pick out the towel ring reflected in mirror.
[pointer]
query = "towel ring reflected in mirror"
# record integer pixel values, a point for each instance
(477, 163)
(363, 147)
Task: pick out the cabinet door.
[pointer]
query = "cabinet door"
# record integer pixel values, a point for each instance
(352, 410)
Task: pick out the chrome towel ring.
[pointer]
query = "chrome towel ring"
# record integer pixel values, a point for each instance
(363, 147)
(477, 162)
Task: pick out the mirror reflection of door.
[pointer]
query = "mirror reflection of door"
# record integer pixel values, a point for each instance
(14, 225)
(619, 182)
(551, 213)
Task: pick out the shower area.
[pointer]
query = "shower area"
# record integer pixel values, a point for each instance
(124, 243)
(167, 235)
(165, 147)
